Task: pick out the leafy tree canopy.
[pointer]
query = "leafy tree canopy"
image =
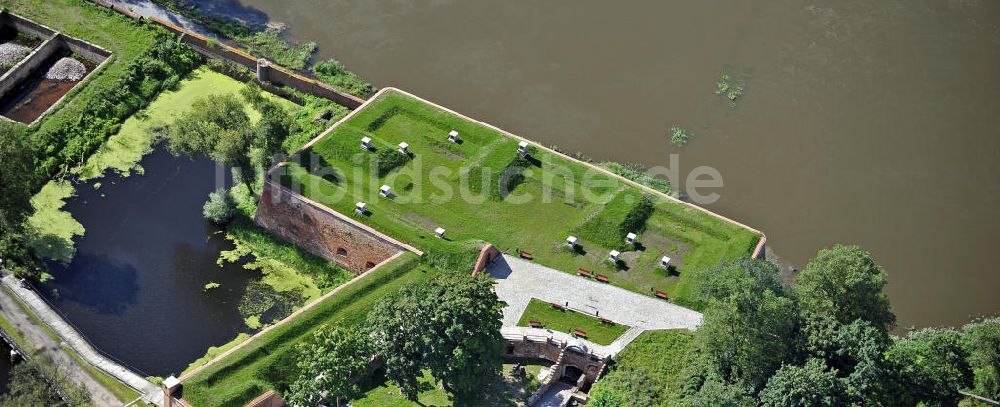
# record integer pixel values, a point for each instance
(331, 363)
(450, 326)
(845, 283)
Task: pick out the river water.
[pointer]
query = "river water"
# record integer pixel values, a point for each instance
(135, 287)
(867, 122)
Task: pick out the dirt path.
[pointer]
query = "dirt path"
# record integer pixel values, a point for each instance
(45, 345)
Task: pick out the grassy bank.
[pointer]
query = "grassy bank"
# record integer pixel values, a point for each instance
(661, 357)
(267, 362)
(565, 321)
(455, 186)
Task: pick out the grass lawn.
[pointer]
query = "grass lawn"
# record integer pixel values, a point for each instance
(565, 321)
(125, 38)
(268, 362)
(650, 370)
(454, 186)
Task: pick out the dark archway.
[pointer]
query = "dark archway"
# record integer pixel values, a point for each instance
(571, 375)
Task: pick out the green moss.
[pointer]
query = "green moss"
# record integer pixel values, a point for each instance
(51, 229)
(141, 131)
(565, 321)
(253, 322)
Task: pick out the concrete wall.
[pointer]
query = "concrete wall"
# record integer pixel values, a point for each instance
(95, 54)
(322, 231)
(28, 65)
(26, 26)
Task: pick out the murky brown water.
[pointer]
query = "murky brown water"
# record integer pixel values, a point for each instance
(875, 123)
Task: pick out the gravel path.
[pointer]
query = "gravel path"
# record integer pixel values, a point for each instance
(520, 280)
(72, 339)
(44, 344)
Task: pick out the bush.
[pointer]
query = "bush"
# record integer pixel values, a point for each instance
(637, 173)
(333, 72)
(389, 159)
(220, 207)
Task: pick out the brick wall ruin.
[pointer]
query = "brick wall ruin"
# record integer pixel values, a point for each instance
(322, 231)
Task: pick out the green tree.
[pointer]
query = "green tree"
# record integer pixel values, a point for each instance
(845, 282)
(16, 176)
(331, 363)
(750, 324)
(813, 384)
(216, 126)
(220, 207)
(982, 342)
(929, 366)
(28, 387)
(715, 392)
(450, 326)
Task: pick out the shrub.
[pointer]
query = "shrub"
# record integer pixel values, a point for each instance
(220, 207)
(389, 159)
(636, 172)
(333, 72)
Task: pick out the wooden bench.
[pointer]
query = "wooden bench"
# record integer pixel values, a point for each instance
(579, 332)
(584, 272)
(661, 294)
(556, 305)
(525, 255)
(602, 278)
(536, 324)
(607, 321)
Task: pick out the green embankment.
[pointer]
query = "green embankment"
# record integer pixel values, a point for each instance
(660, 356)
(267, 362)
(451, 186)
(564, 321)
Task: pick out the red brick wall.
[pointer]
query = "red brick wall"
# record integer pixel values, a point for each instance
(321, 231)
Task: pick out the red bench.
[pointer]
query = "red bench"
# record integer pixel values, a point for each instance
(556, 305)
(602, 278)
(579, 332)
(535, 324)
(607, 321)
(584, 273)
(525, 255)
(661, 294)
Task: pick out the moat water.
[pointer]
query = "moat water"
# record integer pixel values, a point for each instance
(135, 287)
(874, 123)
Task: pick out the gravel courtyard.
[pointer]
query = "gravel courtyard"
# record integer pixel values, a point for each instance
(520, 280)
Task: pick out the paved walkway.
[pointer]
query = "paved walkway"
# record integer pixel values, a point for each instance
(72, 339)
(558, 395)
(43, 344)
(520, 280)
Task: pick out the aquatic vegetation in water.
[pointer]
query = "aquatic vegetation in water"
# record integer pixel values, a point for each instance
(50, 228)
(211, 285)
(731, 88)
(678, 136)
